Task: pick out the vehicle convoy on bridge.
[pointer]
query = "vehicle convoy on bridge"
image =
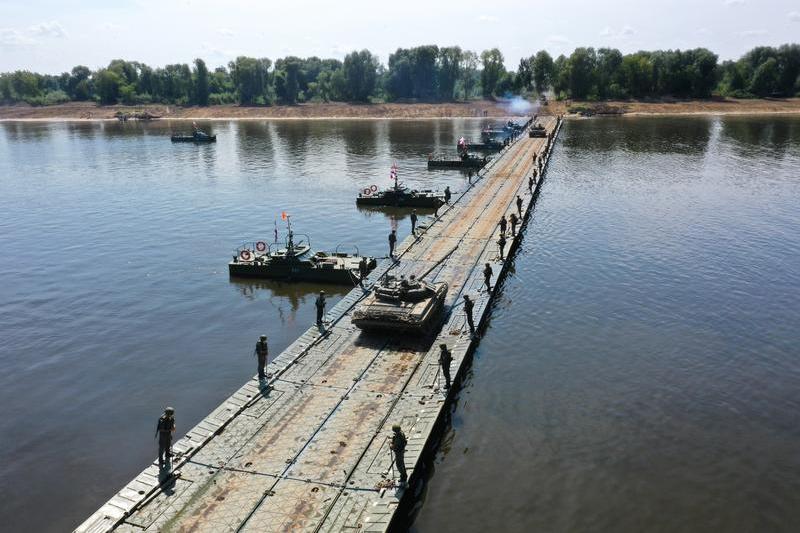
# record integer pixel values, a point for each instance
(305, 445)
(297, 262)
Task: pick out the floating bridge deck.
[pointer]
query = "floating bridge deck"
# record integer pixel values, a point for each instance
(311, 451)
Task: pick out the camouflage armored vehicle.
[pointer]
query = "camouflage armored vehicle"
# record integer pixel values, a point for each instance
(402, 305)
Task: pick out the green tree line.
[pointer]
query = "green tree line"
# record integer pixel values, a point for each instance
(422, 73)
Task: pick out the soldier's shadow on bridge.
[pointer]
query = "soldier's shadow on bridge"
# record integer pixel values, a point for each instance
(167, 479)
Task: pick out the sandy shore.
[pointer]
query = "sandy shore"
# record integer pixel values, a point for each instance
(715, 106)
(89, 111)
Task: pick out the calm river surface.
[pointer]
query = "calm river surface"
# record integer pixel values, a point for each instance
(640, 371)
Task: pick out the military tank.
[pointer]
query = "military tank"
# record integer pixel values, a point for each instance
(402, 305)
(537, 130)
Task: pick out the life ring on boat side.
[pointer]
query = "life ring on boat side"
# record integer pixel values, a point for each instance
(373, 188)
(245, 255)
(367, 191)
(261, 246)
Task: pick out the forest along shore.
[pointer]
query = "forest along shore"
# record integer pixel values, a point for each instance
(476, 108)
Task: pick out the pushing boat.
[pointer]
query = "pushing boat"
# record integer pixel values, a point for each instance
(197, 136)
(465, 160)
(399, 196)
(297, 262)
(466, 145)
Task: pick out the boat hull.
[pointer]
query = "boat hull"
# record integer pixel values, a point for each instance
(456, 163)
(343, 272)
(400, 201)
(190, 139)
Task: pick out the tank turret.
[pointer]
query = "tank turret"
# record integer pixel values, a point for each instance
(400, 304)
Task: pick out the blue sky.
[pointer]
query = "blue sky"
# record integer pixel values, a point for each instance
(51, 36)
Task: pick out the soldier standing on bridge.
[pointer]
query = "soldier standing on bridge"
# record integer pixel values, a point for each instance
(362, 271)
(164, 430)
(447, 195)
(519, 206)
(262, 350)
(392, 242)
(398, 446)
(469, 305)
(501, 242)
(487, 276)
(414, 222)
(320, 303)
(445, 358)
(530, 181)
(513, 219)
(503, 225)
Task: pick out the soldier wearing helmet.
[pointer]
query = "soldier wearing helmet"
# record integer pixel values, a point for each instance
(398, 446)
(164, 430)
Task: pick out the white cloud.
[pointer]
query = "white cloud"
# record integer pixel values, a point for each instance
(12, 37)
(110, 27)
(220, 53)
(753, 33)
(225, 32)
(48, 29)
(15, 37)
(794, 15)
(488, 18)
(558, 39)
(731, 3)
(340, 50)
(609, 33)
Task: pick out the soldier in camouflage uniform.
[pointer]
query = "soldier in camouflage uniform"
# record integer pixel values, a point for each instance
(164, 430)
(445, 358)
(398, 446)
(262, 350)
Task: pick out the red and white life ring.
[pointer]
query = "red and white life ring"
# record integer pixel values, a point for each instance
(367, 192)
(261, 246)
(373, 188)
(245, 255)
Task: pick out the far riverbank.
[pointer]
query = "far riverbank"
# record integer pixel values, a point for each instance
(77, 111)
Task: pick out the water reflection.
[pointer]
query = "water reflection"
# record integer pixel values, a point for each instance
(779, 134)
(651, 135)
(133, 309)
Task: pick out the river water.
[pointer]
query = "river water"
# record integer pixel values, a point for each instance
(640, 370)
